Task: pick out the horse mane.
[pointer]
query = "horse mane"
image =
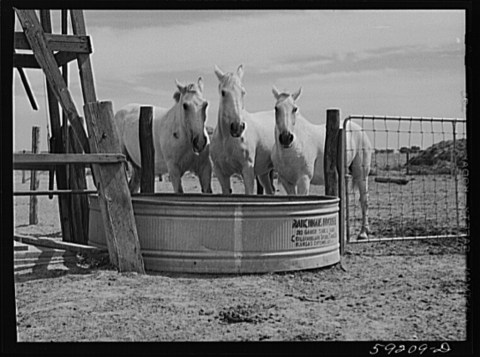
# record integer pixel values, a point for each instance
(191, 88)
(229, 78)
(283, 95)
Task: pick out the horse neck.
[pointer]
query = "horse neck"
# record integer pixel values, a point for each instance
(301, 124)
(174, 117)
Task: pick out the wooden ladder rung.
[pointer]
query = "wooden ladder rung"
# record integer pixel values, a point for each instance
(54, 192)
(45, 161)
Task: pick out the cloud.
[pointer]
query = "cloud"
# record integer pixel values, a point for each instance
(267, 42)
(369, 61)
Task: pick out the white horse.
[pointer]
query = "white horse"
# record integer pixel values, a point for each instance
(180, 138)
(299, 149)
(242, 141)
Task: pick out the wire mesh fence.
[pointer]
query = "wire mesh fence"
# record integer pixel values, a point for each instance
(418, 179)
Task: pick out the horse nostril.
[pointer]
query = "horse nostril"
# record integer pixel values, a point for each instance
(185, 106)
(243, 126)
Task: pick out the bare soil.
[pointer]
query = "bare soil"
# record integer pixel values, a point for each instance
(404, 290)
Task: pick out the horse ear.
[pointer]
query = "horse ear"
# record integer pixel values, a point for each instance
(240, 71)
(219, 73)
(297, 94)
(176, 96)
(200, 84)
(180, 87)
(275, 92)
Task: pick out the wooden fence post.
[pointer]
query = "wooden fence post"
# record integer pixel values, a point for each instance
(33, 216)
(330, 157)
(23, 172)
(147, 150)
(113, 193)
(334, 167)
(341, 188)
(78, 203)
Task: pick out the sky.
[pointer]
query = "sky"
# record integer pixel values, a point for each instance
(364, 62)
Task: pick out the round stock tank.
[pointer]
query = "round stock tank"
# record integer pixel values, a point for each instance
(197, 233)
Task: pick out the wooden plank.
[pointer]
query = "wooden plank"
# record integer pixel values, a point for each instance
(330, 157)
(56, 145)
(34, 182)
(54, 192)
(147, 151)
(60, 159)
(56, 42)
(114, 196)
(396, 180)
(28, 61)
(84, 65)
(30, 96)
(44, 56)
(341, 188)
(52, 243)
(78, 203)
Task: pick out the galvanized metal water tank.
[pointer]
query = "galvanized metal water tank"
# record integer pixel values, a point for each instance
(231, 234)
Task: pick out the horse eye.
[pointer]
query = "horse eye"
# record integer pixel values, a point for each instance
(205, 105)
(294, 110)
(223, 93)
(185, 106)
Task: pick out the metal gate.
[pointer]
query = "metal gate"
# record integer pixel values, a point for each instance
(417, 186)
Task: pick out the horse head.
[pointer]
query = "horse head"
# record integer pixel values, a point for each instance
(285, 116)
(231, 105)
(193, 108)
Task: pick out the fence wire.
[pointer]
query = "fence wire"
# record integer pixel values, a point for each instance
(418, 179)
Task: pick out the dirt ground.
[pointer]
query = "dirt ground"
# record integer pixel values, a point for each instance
(405, 290)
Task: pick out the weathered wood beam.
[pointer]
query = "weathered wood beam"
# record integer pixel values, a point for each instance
(84, 64)
(57, 42)
(333, 167)
(147, 150)
(44, 56)
(113, 193)
(21, 60)
(331, 147)
(54, 192)
(52, 243)
(341, 189)
(45, 160)
(26, 85)
(34, 182)
(56, 146)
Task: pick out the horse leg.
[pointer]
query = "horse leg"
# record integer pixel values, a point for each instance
(205, 177)
(303, 185)
(134, 182)
(259, 186)
(361, 181)
(289, 188)
(175, 178)
(224, 181)
(248, 179)
(266, 180)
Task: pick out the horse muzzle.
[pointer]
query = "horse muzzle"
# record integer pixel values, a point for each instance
(199, 144)
(286, 139)
(237, 129)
